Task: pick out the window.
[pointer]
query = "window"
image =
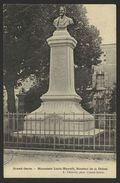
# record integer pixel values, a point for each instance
(100, 80)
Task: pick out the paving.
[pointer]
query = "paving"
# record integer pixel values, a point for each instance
(50, 164)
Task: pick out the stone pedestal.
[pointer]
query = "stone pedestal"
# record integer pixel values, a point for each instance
(61, 97)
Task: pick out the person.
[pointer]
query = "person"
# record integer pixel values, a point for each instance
(62, 21)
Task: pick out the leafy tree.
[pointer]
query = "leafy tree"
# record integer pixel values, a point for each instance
(26, 28)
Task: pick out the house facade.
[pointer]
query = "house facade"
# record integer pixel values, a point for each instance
(104, 78)
(107, 66)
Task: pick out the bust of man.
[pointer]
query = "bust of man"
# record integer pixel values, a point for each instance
(62, 21)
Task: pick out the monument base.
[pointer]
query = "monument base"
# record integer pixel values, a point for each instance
(59, 114)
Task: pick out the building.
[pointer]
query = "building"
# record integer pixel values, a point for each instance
(107, 66)
(104, 78)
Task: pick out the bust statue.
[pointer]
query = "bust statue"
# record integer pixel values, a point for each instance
(62, 21)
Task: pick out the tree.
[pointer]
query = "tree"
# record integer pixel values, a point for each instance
(26, 28)
(23, 45)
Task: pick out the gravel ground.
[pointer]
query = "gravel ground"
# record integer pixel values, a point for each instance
(56, 165)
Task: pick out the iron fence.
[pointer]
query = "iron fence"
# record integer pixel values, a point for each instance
(64, 132)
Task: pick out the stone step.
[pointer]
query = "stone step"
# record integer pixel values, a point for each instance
(66, 134)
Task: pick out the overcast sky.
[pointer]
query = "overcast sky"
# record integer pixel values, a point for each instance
(103, 16)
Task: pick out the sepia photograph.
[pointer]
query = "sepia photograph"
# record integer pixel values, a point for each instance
(59, 90)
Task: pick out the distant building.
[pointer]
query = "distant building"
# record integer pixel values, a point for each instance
(104, 78)
(107, 66)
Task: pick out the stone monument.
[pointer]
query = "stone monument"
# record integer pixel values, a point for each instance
(61, 97)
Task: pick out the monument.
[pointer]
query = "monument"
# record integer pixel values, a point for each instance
(61, 97)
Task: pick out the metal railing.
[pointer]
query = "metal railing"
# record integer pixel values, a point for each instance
(64, 132)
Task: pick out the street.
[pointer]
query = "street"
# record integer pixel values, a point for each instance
(44, 164)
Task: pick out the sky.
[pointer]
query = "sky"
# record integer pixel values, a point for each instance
(103, 16)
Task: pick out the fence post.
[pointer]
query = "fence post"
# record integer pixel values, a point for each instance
(104, 130)
(74, 132)
(83, 131)
(21, 111)
(64, 130)
(94, 132)
(114, 118)
(54, 120)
